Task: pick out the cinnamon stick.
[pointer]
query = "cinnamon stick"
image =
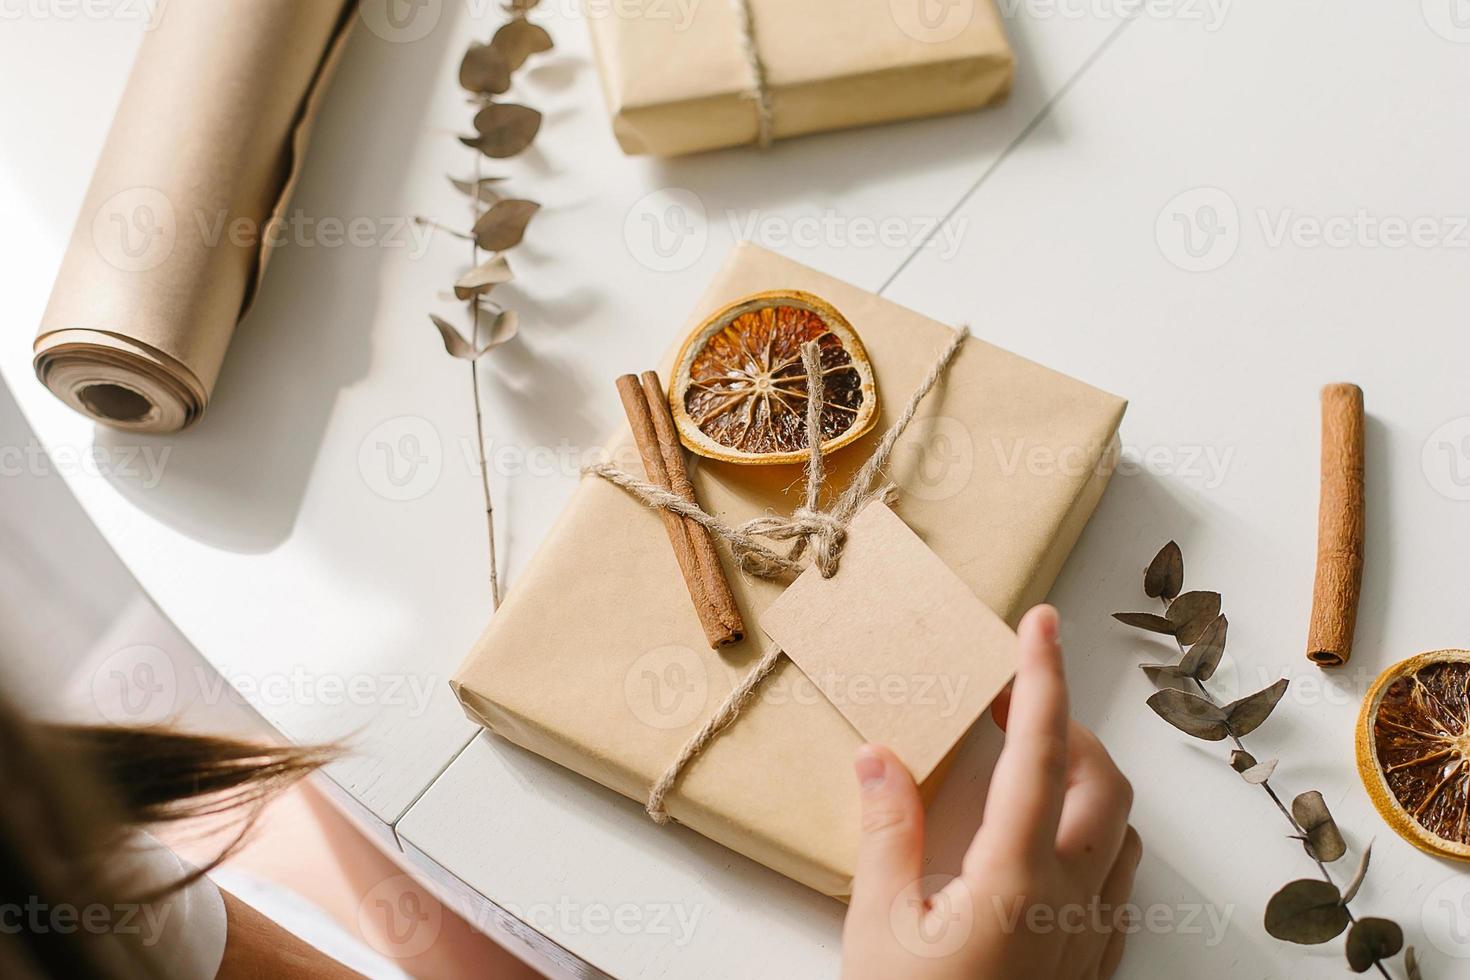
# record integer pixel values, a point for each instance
(1340, 528)
(663, 462)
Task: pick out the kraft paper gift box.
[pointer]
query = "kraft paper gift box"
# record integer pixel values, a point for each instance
(597, 661)
(679, 76)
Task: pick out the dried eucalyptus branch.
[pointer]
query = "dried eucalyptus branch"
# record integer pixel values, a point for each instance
(1307, 911)
(502, 129)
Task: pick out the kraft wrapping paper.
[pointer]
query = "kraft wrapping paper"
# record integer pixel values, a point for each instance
(174, 234)
(676, 78)
(597, 662)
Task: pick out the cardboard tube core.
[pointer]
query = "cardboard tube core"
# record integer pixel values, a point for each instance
(115, 403)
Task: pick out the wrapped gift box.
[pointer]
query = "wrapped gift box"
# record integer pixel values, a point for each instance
(597, 661)
(679, 78)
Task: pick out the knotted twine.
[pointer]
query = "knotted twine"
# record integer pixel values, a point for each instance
(760, 90)
(810, 527)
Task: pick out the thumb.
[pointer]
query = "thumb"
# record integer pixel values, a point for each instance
(891, 845)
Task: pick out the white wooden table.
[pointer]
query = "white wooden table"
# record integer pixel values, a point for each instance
(1212, 208)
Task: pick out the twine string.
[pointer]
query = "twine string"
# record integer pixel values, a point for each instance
(810, 527)
(760, 91)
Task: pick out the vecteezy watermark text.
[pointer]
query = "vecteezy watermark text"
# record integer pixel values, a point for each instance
(41, 918)
(669, 687)
(146, 12)
(1097, 916)
(406, 21)
(678, 921)
(143, 465)
(1202, 229)
(936, 918)
(139, 229)
(833, 229)
(141, 684)
(303, 230)
(1210, 14)
(1206, 465)
(1363, 229)
(300, 687)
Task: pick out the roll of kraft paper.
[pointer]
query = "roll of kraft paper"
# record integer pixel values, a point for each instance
(177, 225)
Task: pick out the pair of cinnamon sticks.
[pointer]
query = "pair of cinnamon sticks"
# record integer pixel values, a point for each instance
(648, 414)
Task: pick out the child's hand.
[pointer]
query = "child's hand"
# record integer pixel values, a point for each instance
(1043, 881)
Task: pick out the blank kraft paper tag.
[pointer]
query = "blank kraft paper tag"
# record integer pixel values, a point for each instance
(896, 641)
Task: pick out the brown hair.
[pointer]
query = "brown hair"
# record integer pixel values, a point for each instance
(70, 797)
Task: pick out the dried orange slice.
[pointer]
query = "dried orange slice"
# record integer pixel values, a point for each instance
(740, 387)
(1414, 750)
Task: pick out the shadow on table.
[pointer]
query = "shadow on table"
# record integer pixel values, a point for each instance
(237, 478)
(1378, 572)
(816, 166)
(1137, 515)
(1190, 933)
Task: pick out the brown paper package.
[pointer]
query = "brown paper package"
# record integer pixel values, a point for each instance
(597, 662)
(677, 80)
(210, 132)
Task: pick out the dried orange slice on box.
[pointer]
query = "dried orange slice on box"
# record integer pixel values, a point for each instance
(1414, 750)
(740, 387)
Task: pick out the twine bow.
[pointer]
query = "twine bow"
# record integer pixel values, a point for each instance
(824, 532)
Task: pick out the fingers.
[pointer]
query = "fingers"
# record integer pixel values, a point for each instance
(891, 844)
(1112, 956)
(1096, 949)
(1025, 800)
(1115, 893)
(1095, 810)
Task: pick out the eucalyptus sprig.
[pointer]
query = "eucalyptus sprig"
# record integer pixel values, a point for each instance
(1308, 911)
(502, 129)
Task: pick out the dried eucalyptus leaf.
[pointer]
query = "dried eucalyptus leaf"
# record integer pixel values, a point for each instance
(504, 225)
(483, 278)
(503, 328)
(1191, 714)
(1204, 656)
(423, 222)
(1351, 892)
(1247, 714)
(1146, 621)
(518, 39)
(1258, 774)
(482, 190)
(1192, 613)
(1155, 671)
(1411, 964)
(484, 70)
(1371, 940)
(504, 129)
(455, 344)
(1241, 760)
(1306, 912)
(1165, 575)
(1324, 840)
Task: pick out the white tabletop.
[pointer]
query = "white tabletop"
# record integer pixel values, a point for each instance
(275, 541)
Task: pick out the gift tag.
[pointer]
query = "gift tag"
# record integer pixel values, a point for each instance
(895, 641)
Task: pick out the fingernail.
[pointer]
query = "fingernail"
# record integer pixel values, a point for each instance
(869, 768)
(1051, 625)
